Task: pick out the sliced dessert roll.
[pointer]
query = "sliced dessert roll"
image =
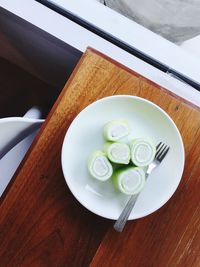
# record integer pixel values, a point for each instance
(142, 152)
(116, 130)
(129, 180)
(99, 166)
(117, 152)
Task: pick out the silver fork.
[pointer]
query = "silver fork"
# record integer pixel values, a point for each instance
(161, 152)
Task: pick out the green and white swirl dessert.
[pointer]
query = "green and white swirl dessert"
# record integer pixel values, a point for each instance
(115, 130)
(99, 166)
(117, 152)
(142, 152)
(129, 180)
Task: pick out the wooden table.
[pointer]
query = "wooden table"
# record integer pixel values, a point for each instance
(41, 223)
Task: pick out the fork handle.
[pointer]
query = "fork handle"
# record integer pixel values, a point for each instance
(121, 221)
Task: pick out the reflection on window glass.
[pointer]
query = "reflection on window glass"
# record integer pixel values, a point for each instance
(175, 20)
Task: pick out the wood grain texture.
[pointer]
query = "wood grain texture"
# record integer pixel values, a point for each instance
(41, 223)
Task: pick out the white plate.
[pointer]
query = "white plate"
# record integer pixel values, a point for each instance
(85, 135)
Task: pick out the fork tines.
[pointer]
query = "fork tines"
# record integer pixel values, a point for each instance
(161, 151)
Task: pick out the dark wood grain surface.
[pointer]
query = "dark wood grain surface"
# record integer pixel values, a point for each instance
(41, 223)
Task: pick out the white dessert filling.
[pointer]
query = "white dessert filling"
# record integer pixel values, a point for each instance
(100, 166)
(118, 131)
(143, 152)
(119, 152)
(130, 181)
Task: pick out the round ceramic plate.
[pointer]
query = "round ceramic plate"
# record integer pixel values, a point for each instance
(85, 136)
